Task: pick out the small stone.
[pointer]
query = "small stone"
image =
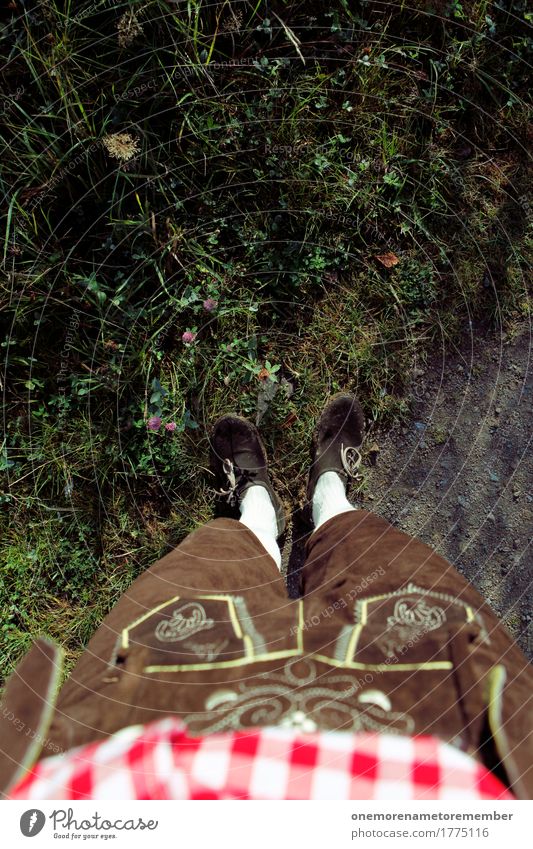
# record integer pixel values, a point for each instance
(373, 452)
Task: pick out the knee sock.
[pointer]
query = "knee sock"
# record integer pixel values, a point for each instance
(329, 498)
(258, 514)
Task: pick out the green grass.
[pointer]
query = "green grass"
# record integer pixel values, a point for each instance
(274, 155)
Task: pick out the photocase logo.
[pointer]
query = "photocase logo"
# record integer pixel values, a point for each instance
(32, 822)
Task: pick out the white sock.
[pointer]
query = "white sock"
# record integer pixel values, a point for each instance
(258, 514)
(329, 498)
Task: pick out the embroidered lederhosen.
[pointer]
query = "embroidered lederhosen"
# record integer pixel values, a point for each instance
(387, 637)
(204, 658)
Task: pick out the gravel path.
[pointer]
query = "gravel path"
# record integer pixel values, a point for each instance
(460, 474)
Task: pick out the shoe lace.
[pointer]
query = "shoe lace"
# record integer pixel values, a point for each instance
(351, 459)
(236, 478)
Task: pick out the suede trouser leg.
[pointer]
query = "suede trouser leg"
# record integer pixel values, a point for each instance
(388, 637)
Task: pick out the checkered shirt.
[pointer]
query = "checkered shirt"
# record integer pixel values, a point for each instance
(161, 761)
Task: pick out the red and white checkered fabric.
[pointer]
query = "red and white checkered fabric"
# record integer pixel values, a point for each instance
(160, 761)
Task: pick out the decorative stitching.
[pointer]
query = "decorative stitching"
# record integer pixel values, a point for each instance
(248, 627)
(255, 648)
(207, 651)
(343, 643)
(187, 620)
(293, 698)
(181, 627)
(295, 653)
(361, 615)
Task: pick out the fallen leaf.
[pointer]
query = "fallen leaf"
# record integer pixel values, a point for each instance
(291, 418)
(30, 192)
(388, 260)
(373, 452)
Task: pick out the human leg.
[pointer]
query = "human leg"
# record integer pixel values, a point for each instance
(212, 600)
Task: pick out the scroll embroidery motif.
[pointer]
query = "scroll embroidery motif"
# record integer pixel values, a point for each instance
(416, 611)
(296, 697)
(411, 619)
(185, 621)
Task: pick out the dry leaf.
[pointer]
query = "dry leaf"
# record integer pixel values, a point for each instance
(373, 452)
(388, 260)
(291, 418)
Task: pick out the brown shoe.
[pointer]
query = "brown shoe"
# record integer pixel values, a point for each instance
(239, 461)
(337, 440)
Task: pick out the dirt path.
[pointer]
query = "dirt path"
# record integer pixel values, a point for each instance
(459, 475)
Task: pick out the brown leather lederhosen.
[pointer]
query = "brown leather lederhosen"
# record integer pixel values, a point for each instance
(387, 637)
